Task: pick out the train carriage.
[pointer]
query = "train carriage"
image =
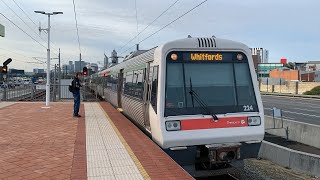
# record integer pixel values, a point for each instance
(197, 98)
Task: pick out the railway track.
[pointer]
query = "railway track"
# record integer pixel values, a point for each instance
(221, 177)
(37, 96)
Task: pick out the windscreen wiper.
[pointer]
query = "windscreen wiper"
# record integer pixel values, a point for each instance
(202, 104)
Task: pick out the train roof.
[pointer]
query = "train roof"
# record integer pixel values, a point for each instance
(201, 43)
(204, 43)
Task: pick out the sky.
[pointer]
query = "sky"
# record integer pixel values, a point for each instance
(288, 29)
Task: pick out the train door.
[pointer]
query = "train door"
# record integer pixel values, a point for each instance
(120, 85)
(146, 96)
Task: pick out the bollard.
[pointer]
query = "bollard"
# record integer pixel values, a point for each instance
(287, 133)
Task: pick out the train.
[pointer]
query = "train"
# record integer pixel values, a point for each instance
(197, 98)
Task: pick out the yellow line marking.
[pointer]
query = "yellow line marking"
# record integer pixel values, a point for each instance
(143, 172)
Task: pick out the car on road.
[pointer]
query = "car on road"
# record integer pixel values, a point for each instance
(3, 85)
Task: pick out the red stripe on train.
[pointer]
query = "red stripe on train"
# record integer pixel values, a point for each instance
(208, 123)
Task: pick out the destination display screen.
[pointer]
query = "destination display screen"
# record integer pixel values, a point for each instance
(195, 56)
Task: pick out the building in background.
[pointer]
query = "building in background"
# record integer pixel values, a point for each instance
(317, 76)
(77, 67)
(71, 66)
(263, 53)
(38, 71)
(285, 73)
(16, 72)
(283, 61)
(295, 75)
(66, 69)
(105, 62)
(265, 68)
(312, 66)
(256, 60)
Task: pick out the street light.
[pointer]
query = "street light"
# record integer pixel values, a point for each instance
(41, 12)
(48, 53)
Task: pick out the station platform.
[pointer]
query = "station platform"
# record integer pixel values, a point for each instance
(49, 143)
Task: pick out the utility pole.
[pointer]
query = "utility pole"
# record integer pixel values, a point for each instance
(59, 76)
(54, 82)
(80, 64)
(48, 53)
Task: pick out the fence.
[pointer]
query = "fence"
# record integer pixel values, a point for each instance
(33, 92)
(290, 87)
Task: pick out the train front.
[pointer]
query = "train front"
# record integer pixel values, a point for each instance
(213, 113)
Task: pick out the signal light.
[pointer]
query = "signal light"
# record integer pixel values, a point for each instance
(85, 71)
(4, 69)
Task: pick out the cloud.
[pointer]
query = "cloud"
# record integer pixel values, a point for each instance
(288, 29)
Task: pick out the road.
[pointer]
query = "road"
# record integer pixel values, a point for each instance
(293, 108)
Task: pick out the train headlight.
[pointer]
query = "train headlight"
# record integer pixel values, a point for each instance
(173, 125)
(254, 121)
(239, 57)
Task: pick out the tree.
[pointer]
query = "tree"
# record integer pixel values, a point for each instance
(290, 65)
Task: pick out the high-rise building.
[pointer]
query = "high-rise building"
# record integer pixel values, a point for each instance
(105, 64)
(71, 66)
(263, 53)
(77, 67)
(66, 69)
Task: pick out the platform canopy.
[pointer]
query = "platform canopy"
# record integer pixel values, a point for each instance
(1, 30)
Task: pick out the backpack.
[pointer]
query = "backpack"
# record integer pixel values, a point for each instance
(71, 88)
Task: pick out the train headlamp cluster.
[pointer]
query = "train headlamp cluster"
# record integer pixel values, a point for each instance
(254, 121)
(173, 125)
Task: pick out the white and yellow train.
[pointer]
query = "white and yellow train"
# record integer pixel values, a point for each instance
(197, 98)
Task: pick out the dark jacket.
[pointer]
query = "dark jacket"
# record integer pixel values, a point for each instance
(76, 84)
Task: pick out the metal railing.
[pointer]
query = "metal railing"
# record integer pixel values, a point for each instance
(36, 92)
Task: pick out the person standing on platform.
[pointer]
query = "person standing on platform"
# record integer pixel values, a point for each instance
(76, 84)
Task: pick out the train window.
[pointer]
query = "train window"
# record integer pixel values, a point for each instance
(108, 82)
(128, 83)
(154, 88)
(138, 83)
(209, 79)
(175, 92)
(114, 82)
(244, 85)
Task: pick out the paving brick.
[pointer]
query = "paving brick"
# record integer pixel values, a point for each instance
(151, 157)
(107, 157)
(39, 143)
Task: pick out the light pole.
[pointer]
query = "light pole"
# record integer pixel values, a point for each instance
(48, 53)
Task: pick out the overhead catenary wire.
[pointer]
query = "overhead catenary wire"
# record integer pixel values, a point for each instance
(21, 19)
(149, 24)
(25, 13)
(33, 22)
(75, 18)
(19, 54)
(24, 21)
(23, 31)
(167, 25)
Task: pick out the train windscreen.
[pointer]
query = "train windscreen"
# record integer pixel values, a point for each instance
(218, 82)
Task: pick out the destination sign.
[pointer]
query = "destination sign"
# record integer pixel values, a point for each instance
(197, 56)
(207, 56)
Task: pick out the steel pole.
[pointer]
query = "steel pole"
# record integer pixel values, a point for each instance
(59, 76)
(48, 65)
(80, 64)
